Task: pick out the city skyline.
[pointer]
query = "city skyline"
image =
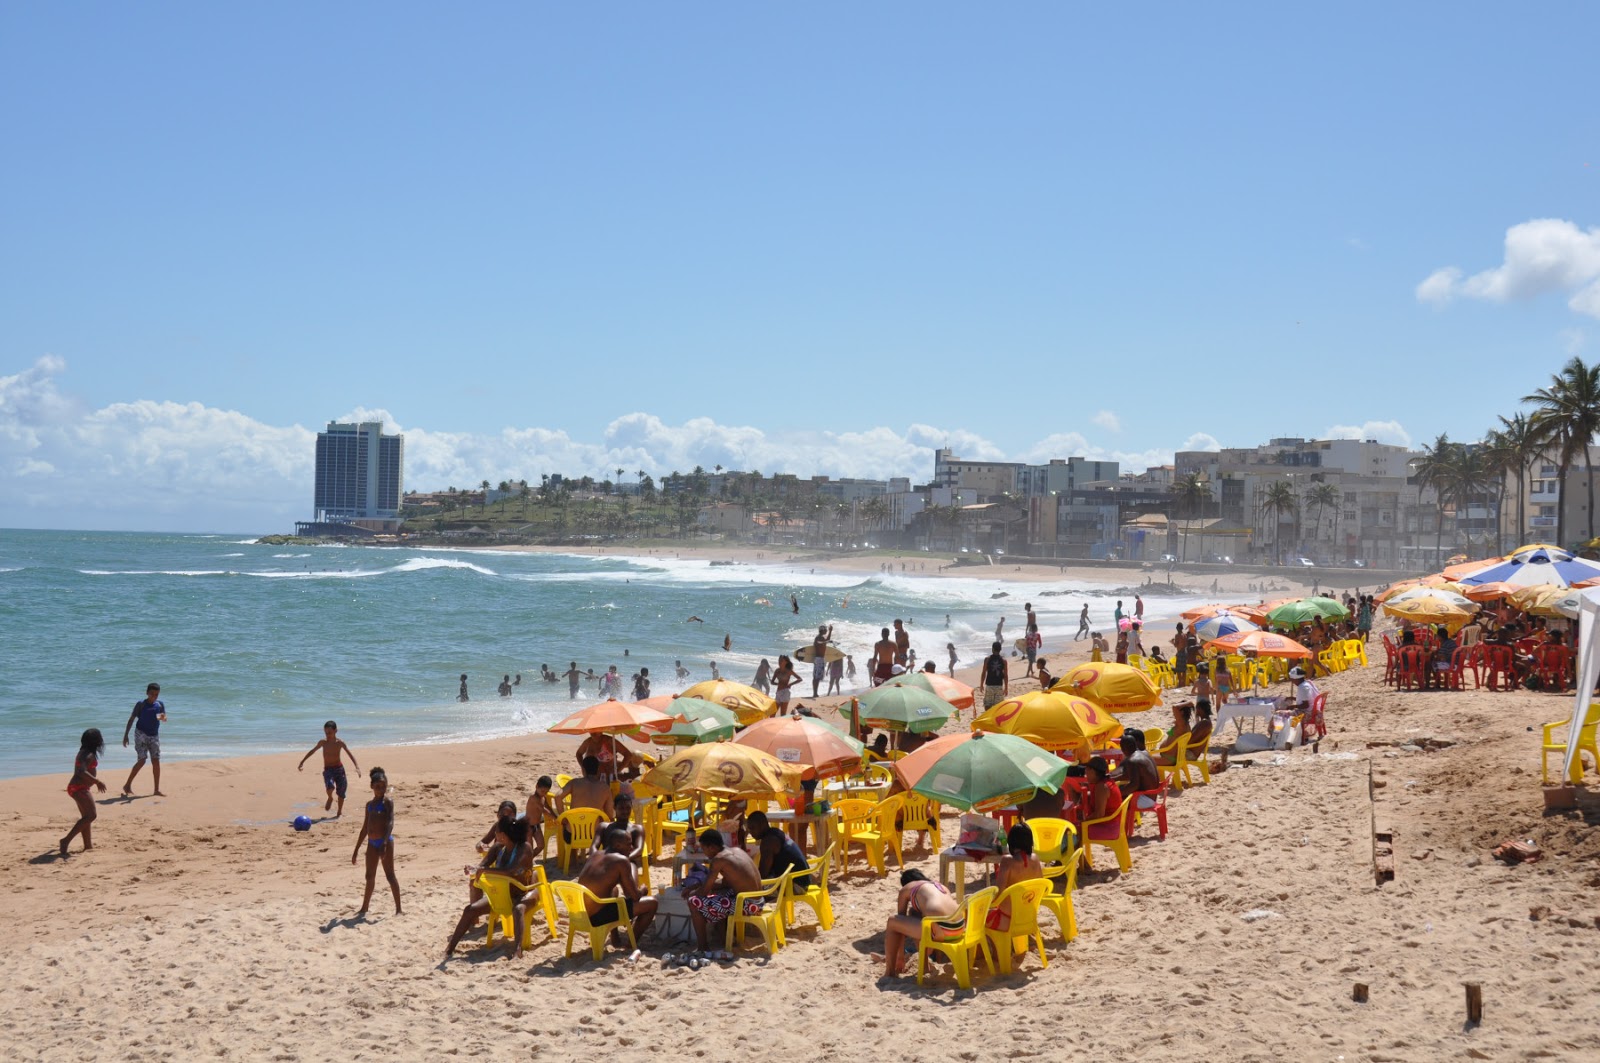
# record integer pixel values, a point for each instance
(828, 241)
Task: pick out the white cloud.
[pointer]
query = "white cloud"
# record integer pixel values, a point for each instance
(1107, 420)
(1383, 431)
(1542, 256)
(171, 465)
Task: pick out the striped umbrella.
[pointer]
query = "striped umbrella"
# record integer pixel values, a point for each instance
(1215, 627)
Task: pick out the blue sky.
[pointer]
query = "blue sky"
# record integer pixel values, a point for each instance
(821, 237)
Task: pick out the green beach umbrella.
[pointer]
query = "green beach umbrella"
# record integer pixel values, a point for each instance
(1304, 610)
(979, 770)
(904, 708)
(694, 720)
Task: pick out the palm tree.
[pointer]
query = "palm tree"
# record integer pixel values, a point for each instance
(1278, 499)
(1521, 448)
(1566, 416)
(1437, 469)
(1321, 496)
(1191, 492)
(1472, 477)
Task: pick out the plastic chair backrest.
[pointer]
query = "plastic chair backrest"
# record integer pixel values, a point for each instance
(574, 898)
(854, 811)
(978, 906)
(1153, 737)
(1051, 837)
(887, 811)
(1024, 898)
(581, 824)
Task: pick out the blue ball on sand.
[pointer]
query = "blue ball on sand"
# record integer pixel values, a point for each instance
(302, 823)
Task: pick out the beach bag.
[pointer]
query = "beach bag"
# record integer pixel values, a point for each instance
(978, 833)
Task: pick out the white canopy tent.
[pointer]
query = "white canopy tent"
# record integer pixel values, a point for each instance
(1588, 669)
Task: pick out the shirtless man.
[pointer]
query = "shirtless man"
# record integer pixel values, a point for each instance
(882, 658)
(732, 872)
(622, 820)
(902, 644)
(605, 873)
(819, 656)
(590, 791)
(573, 676)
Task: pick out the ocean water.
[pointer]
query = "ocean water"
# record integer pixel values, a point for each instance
(255, 646)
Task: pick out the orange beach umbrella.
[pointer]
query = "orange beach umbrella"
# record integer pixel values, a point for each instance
(1261, 643)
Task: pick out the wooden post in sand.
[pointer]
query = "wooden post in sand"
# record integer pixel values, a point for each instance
(1474, 1003)
(1359, 993)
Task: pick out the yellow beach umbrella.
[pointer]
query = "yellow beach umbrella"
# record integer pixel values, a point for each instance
(1052, 720)
(1443, 593)
(1433, 611)
(1113, 687)
(1540, 599)
(725, 769)
(748, 703)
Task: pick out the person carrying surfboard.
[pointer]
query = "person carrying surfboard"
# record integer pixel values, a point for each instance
(819, 656)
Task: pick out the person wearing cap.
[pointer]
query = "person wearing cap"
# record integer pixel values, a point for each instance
(1305, 691)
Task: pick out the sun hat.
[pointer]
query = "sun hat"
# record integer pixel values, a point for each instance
(1297, 673)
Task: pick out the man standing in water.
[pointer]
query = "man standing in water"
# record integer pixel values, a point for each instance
(573, 676)
(819, 656)
(882, 658)
(150, 714)
(1083, 624)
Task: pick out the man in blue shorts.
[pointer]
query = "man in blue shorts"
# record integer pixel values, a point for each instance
(333, 776)
(149, 715)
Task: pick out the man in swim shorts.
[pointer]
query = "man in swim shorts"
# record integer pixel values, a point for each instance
(732, 873)
(607, 872)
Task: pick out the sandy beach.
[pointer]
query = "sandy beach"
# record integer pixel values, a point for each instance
(201, 924)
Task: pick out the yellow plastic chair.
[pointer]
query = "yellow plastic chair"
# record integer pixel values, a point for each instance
(1114, 836)
(858, 825)
(581, 824)
(816, 895)
(1586, 743)
(574, 898)
(1136, 660)
(1198, 759)
(562, 781)
(1172, 774)
(921, 814)
(877, 773)
(889, 813)
(768, 921)
(973, 941)
(1153, 737)
(1024, 898)
(1354, 650)
(1055, 843)
(497, 888)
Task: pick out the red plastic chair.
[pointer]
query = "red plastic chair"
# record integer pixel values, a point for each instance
(1314, 728)
(1413, 671)
(1554, 667)
(1499, 668)
(1391, 662)
(1455, 677)
(1148, 801)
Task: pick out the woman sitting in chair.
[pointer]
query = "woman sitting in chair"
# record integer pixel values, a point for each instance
(1018, 865)
(919, 899)
(1103, 796)
(1167, 755)
(510, 856)
(1200, 734)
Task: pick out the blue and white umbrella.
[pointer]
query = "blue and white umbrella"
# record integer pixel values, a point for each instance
(1223, 624)
(1532, 568)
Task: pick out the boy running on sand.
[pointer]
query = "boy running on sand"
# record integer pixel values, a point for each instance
(333, 777)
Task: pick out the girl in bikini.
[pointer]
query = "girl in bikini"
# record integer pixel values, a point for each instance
(1018, 865)
(90, 746)
(377, 830)
(919, 899)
